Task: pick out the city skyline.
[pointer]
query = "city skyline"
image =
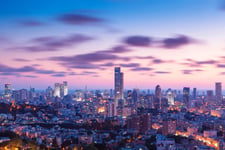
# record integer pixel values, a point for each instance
(174, 44)
(118, 87)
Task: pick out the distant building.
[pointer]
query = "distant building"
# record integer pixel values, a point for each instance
(209, 95)
(118, 87)
(163, 143)
(169, 126)
(145, 122)
(57, 90)
(140, 123)
(164, 105)
(170, 96)
(210, 133)
(32, 93)
(23, 94)
(49, 92)
(126, 111)
(65, 84)
(61, 90)
(7, 90)
(218, 92)
(16, 95)
(110, 109)
(135, 96)
(194, 93)
(186, 96)
(158, 97)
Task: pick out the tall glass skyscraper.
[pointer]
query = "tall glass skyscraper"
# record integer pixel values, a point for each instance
(186, 96)
(158, 98)
(170, 96)
(118, 87)
(57, 90)
(218, 92)
(65, 85)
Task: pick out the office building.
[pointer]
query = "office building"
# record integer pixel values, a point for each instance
(61, 90)
(65, 85)
(169, 126)
(23, 94)
(209, 95)
(186, 96)
(170, 96)
(118, 87)
(135, 96)
(57, 90)
(194, 93)
(7, 90)
(218, 92)
(158, 97)
(140, 123)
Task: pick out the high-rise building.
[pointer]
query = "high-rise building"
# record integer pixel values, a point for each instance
(49, 92)
(141, 122)
(16, 95)
(118, 87)
(145, 122)
(209, 95)
(135, 96)
(186, 96)
(7, 90)
(170, 96)
(65, 85)
(23, 94)
(218, 92)
(61, 90)
(194, 93)
(158, 97)
(57, 90)
(169, 126)
(109, 109)
(31, 93)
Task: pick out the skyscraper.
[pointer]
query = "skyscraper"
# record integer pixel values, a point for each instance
(194, 93)
(31, 93)
(186, 96)
(170, 96)
(158, 97)
(57, 90)
(135, 96)
(209, 95)
(218, 92)
(61, 90)
(23, 94)
(169, 126)
(7, 90)
(118, 86)
(65, 85)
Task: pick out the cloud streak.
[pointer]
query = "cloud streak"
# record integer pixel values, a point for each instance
(141, 69)
(7, 70)
(176, 41)
(142, 41)
(191, 71)
(90, 60)
(53, 43)
(30, 23)
(79, 19)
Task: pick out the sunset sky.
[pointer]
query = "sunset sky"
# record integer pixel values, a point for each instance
(174, 43)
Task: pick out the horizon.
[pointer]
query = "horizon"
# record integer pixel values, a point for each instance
(174, 44)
